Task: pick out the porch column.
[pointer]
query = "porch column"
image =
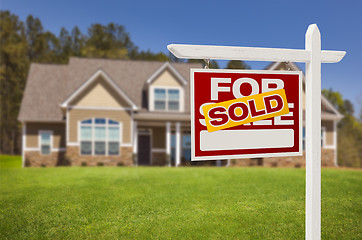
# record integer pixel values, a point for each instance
(135, 143)
(178, 144)
(168, 142)
(23, 144)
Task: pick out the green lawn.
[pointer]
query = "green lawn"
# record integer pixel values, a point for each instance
(171, 203)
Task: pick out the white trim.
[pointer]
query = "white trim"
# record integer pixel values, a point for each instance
(36, 149)
(24, 144)
(39, 140)
(67, 126)
(172, 69)
(323, 137)
(330, 106)
(135, 139)
(158, 150)
(335, 143)
(32, 149)
(126, 145)
(131, 127)
(178, 145)
(72, 144)
(59, 149)
(151, 99)
(168, 142)
(99, 108)
(98, 73)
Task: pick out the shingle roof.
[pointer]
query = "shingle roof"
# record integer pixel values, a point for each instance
(48, 85)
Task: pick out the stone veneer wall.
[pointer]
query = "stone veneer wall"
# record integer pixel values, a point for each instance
(35, 159)
(328, 156)
(125, 159)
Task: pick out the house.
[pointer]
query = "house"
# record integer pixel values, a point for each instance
(119, 112)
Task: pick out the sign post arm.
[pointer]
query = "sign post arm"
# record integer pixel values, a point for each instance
(313, 134)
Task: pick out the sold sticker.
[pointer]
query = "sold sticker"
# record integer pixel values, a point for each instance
(244, 110)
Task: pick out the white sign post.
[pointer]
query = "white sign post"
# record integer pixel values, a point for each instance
(313, 56)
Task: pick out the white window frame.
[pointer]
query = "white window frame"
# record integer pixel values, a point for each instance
(323, 137)
(93, 125)
(151, 98)
(40, 142)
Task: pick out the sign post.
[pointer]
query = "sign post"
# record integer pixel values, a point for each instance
(313, 56)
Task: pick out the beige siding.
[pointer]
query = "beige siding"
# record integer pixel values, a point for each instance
(166, 79)
(32, 134)
(329, 134)
(159, 137)
(99, 94)
(77, 115)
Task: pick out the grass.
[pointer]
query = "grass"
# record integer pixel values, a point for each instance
(172, 203)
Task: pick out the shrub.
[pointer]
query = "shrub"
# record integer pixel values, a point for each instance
(84, 164)
(100, 164)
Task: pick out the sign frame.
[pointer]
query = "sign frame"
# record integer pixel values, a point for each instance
(241, 156)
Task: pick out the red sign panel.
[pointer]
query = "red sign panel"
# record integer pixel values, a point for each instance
(277, 136)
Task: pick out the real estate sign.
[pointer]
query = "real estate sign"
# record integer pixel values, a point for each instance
(244, 113)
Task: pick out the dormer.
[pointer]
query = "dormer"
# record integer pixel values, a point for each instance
(166, 90)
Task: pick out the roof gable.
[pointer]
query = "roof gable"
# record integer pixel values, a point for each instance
(166, 66)
(100, 74)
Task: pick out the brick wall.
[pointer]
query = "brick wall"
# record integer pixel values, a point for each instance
(125, 158)
(35, 159)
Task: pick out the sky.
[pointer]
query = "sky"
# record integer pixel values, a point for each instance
(154, 24)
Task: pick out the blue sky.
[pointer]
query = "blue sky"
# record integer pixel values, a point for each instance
(280, 24)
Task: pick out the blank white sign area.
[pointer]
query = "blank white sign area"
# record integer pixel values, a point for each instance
(246, 139)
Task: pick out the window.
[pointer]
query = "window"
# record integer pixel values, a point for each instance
(45, 142)
(167, 99)
(186, 147)
(99, 136)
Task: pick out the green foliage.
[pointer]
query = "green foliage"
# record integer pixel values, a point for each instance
(173, 203)
(14, 65)
(237, 64)
(349, 131)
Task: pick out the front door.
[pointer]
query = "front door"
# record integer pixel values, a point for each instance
(144, 149)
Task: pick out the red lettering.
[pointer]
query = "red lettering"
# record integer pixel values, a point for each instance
(219, 116)
(244, 109)
(277, 108)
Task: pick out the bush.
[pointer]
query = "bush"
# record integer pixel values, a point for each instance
(84, 164)
(100, 164)
(120, 164)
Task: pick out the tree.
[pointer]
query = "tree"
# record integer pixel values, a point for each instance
(43, 46)
(77, 41)
(111, 41)
(14, 66)
(237, 64)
